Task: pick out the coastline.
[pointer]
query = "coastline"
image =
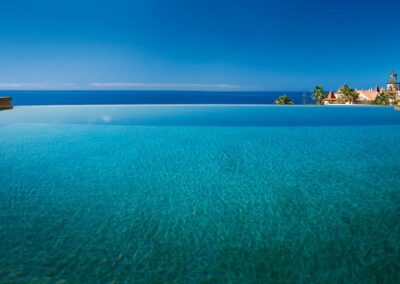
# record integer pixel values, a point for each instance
(200, 105)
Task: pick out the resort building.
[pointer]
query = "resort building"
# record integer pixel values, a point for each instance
(333, 98)
(330, 99)
(367, 96)
(393, 85)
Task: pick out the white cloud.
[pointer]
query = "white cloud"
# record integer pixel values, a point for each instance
(21, 85)
(166, 86)
(35, 86)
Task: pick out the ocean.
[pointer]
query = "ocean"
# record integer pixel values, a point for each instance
(199, 194)
(148, 97)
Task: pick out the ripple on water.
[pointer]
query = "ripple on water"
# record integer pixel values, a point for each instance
(84, 203)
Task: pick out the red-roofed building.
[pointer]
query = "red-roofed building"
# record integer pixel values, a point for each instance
(330, 99)
(368, 95)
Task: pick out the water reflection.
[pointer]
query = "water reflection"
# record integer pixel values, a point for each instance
(221, 115)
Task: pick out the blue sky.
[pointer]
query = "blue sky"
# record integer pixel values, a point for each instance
(197, 45)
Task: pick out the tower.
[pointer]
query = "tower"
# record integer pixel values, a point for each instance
(393, 84)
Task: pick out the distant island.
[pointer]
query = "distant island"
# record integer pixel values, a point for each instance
(346, 95)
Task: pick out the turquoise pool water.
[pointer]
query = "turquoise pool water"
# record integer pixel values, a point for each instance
(200, 194)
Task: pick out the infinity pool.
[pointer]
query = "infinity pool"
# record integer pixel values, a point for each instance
(210, 194)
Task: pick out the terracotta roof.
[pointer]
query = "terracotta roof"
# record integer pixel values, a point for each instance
(369, 94)
(331, 96)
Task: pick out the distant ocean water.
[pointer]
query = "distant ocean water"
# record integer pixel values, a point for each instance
(148, 97)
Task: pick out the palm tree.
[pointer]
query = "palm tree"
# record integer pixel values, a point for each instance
(319, 95)
(385, 98)
(382, 99)
(348, 94)
(284, 100)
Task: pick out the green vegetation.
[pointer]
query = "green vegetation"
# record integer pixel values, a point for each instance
(347, 95)
(284, 100)
(319, 95)
(385, 98)
(382, 99)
